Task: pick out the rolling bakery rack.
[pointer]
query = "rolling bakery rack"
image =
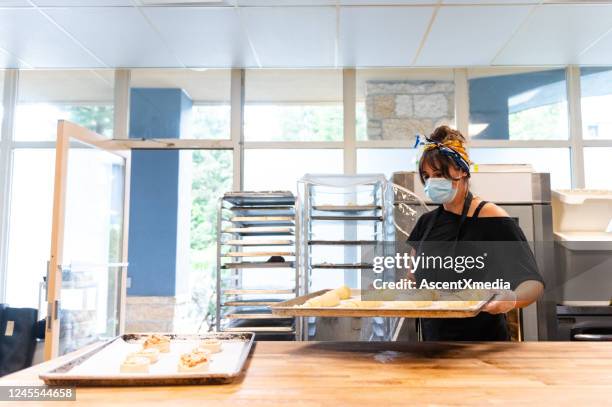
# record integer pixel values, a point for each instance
(340, 215)
(256, 246)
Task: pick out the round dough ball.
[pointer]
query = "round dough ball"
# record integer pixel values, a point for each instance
(344, 292)
(329, 299)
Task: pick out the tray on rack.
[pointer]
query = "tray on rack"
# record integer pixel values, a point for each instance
(260, 198)
(101, 365)
(342, 266)
(346, 218)
(260, 230)
(246, 221)
(257, 254)
(342, 242)
(259, 242)
(346, 208)
(257, 264)
(398, 309)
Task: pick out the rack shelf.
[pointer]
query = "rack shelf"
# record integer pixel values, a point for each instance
(340, 213)
(255, 219)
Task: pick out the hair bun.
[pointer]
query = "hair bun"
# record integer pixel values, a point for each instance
(445, 133)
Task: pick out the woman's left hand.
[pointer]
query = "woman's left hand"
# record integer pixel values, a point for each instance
(504, 301)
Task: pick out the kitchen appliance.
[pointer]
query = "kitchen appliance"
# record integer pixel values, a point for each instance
(583, 247)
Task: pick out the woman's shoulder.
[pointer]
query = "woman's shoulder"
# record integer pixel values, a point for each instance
(490, 210)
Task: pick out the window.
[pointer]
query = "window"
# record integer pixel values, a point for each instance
(556, 161)
(518, 106)
(208, 93)
(210, 175)
(386, 160)
(397, 104)
(29, 239)
(83, 97)
(1, 94)
(596, 167)
(293, 105)
(596, 103)
(280, 169)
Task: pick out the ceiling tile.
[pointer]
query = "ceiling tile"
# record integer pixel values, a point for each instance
(82, 3)
(221, 41)
(28, 35)
(8, 60)
(381, 36)
(600, 53)
(14, 3)
(470, 35)
(119, 36)
(292, 36)
(250, 3)
(491, 2)
(557, 34)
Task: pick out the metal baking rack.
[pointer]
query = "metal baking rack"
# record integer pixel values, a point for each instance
(339, 215)
(256, 236)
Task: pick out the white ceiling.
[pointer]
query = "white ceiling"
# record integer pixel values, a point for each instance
(302, 33)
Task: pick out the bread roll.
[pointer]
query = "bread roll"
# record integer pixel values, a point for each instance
(344, 292)
(330, 299)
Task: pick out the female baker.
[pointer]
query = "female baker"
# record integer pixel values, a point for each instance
(462, 218)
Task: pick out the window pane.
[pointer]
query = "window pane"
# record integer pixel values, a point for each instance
(597, 167)
(210, 175)
(555, 161)
(518, 106)
(596, 103)
(293, 105)
(208, 116)
(29, 241)
(386, 160)
(266, 170)
(396, 104)
(83, 97)
(1, 94)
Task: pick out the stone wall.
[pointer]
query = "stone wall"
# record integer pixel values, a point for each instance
(397, 110)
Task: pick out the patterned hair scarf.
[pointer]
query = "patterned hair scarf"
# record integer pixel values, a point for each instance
(453, 149)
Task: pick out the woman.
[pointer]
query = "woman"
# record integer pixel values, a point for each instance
(462, 218)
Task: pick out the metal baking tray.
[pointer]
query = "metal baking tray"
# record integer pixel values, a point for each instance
(346, 218)
(346, 208)
(250, 291)
(342, 242)
(260, 198)
(342, 266)
(247, 221)
(292, 308)
(257, 254)
(261, 230)
(101, 365)
(259, 242)
(258, 264)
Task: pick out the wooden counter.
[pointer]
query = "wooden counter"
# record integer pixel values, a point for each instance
(383, 374)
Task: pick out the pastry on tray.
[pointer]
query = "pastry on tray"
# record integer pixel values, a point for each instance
(150, 353)
(159, 342)
(135, 364)
(210, 345)
(193, 362)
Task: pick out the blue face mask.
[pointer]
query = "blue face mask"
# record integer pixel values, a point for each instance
(440, 190)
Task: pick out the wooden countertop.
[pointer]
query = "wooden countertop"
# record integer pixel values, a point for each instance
(384, 374)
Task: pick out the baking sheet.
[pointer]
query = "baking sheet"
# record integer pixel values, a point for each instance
(101, 366)
(437, 310)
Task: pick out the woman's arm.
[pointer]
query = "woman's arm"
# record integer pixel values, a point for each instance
(526, 293)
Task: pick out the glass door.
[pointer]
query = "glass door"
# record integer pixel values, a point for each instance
(88, 264)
